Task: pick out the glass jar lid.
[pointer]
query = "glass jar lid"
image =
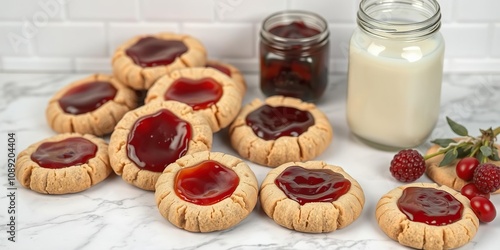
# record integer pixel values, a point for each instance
(309, 19)
(400, 19)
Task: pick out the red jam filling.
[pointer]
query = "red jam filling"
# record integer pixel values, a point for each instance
(296, 29)
(199, 94)
(87, 97)
(206, 183)
(312, 185)
(151, 51)
(66, 153)
(430, 206)
(157, 140)
(220, 68)
(270, 123)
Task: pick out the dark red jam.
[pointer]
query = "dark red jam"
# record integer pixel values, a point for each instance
(297, 29)
(312, 185)
(151, 51)
(270, 123)
(66, 153)
(292, 68)
(430, 206)
(157, 140)
(206, 183)
(199, 94)
(87, 97)
(220, 68)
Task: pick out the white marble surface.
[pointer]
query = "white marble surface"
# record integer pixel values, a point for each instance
(116, 215)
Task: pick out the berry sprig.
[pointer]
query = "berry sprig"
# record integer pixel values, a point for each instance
(481, 147)
(408, 165)
(474, 153)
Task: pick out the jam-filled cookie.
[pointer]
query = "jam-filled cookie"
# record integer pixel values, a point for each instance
(447, 175)
(311, 197)
(149, 138)
(426, 216)
(230, 71)
(140, 61)
(279, 130)
(206, 191)
(63, 164)
(92, 105)
(208, 91)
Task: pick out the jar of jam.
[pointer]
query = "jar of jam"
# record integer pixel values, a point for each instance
(395, 72)
(294, 55)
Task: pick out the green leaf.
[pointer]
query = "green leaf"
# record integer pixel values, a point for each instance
(494, 156)
(449, 157)
(464, 151)
(457, 128)
(480, 157)
(443, 142)
(486, 151)
(496, 131)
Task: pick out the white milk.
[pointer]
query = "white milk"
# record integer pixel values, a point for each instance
(394, 89)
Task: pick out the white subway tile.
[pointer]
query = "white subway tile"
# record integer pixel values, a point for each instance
(256, 44)
(98, 65)
(480, 65)
(340, 35)
(118, 33)
(477, 10)
(71, 39)
(338, 65)
(103, 10)
(30, 10)
(244, 65)
(446, 10)
(14, 41)
(495, 50)
(37, 64)
(177, 10)
(246, 10)
(466, 40)
(235, 40)
(33, 39)
(331, 10)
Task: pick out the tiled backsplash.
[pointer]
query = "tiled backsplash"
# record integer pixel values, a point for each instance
(81, 35)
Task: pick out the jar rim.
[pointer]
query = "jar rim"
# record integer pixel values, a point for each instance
(287, 16)
(406, 30)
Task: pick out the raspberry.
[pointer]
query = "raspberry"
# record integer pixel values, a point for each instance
(487, 177)
(407, 165)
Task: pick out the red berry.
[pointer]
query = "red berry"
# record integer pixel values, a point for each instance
(465, 168)
(487, 177)
(470, 191)
(483, 208)
(407, 165)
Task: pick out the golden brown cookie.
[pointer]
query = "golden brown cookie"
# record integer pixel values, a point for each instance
(92, 105)
(421, 235)
(149, 138)
(140, 61)
(285, 114)
(338, 203)
(208, 91)
(447, 175)
(63, 164)
(206, 191)
(230, 71)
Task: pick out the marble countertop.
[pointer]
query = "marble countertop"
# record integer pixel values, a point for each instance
(116, 215)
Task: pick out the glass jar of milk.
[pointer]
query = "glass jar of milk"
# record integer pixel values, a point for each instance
(395, 72)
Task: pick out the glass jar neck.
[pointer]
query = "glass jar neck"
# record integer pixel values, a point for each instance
(399, 19)
(309, 19)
